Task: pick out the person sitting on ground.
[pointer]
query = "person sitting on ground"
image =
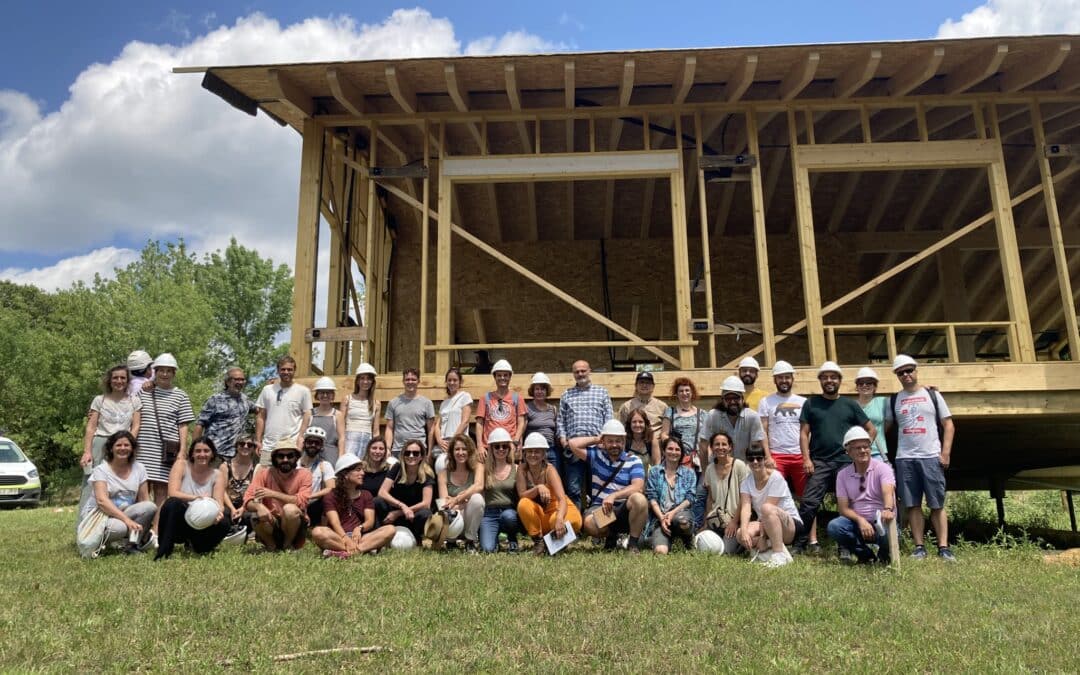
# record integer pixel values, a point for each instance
(640, 439)
(377, 462)
(322, 472)
(542, 505)
(461, 486)
(866, 500)
(721, 482)
(350, 515)
(120, 491)
(500, 494)
(406, 493)
(196, 489)
(766, 493)
(618, 503)
(455, 413)
(278, 497)
(670, 489)
(238, 474)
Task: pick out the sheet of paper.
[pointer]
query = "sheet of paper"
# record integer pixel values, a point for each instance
(554, 545)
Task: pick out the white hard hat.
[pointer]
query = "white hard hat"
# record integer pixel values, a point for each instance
(535, 440)
(540, 378)
(346, 462)
(138, 359)
(366, 369)
(613, 428)
(237, 538)
(902, 361)
(456, 526)
(165, 360)
(440, 462)
(499, 435)
(866, 374)
(502, 365)
(708, 541)
(325, 384)
(202, 512)
(733, 384)
(750, 362)
(856, 434)
(403, 539)
(315, 432)
(830, 367)
(782, 368)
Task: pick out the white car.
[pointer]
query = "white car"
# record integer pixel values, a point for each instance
(20, 483)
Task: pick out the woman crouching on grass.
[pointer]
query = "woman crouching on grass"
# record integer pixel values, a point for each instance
(766, 492)
(543, 506)
(350, 515)
(405, 495)
(670, 488)
(193, 479)
(461, 486)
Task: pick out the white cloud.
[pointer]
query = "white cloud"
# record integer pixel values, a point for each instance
(69, 270)
(138, 153)
(514, 42)
(1015, 17)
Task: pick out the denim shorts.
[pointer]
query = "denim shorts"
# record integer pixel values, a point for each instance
(917, 477)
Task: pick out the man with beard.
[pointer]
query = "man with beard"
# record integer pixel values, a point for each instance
(278, 499)
(583, 410)
(617, 505)
(741, 423)
(224, 414)
(748, 373)
(823, 422)
(284, 409)
(654, 408)
(779, 413)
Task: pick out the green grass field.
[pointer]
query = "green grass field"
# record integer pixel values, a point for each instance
(1001, 610)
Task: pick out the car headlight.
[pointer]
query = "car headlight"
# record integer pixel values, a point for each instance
(33, 473)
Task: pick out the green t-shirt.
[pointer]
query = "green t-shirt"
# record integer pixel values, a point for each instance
(829, 420)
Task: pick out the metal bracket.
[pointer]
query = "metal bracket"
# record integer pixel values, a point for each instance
(417, 171)
(1052, 150)
(727, 161)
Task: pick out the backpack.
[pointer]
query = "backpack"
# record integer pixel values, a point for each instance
(892, 441)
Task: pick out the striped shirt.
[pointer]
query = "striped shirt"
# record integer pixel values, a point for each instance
(583, 411)
(604, 471)
(172, 408)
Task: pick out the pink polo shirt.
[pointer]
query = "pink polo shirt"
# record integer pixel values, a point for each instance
(870, 499)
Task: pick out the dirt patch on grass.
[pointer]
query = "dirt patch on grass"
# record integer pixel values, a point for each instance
(1069, 557)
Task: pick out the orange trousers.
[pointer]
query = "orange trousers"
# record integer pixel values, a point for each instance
(539, 520)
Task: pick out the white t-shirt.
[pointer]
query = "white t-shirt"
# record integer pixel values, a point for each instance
(113, 415)
(122, 491)
(917, 436)
(450, 413)
(285, 410)
(782, 415)
(776, 486)
(320, 471)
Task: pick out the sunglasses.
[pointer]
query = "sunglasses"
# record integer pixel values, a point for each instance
(754, 460)
(905, 371)
(865, 383)
(500, 446)
(247, 445)
(288, 455)
(411, 453)
(862, 483)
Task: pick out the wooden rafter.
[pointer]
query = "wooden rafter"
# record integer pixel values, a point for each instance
(1068, 78)
(975, 70)
(289, 93)
(800, 75)
(346, 93)
(740, 80)
(513, 93)
(626, 90)
(857, 75)
(1033, 70)
(882, 199)
(461, 103)
(400, 90)
(570, 102)
(916, 72)
(843, 199)
(685, 81)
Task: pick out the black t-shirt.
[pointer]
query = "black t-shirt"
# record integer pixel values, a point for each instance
(407, 493)
(373, 481)
(829, 420)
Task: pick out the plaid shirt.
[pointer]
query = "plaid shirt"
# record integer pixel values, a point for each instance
(583, 411)
(222, 419)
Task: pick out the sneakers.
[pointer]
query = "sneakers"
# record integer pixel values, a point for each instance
(623, 542)
(920, 553)
(632, 546)
(946, 554)
(813, 548)
(845, 555)
(762, 557)
(512, 547)
(539, 547)
(341, 555)
(150, 543)
(780, 559)
(470, 547)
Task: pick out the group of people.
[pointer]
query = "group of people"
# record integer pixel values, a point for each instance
(749, 475)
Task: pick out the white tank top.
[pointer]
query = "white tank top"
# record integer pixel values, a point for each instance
(188, 484)
(358, 416)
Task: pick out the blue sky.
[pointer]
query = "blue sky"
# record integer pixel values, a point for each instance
(102, 148)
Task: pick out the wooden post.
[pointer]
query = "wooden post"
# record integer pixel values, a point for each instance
(425, 222)
(679, 248)
(705, 247)
(1054, 219)
(443, 268)
(371, 277)
(1024, 348)
(336, 295)
(761, 247)
(815, 332)
(307, 244)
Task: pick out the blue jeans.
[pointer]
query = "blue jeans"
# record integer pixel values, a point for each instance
(846, 534)
(497, 519)
(356, 443)
(554, 458)
(698, 508)
(573, 471)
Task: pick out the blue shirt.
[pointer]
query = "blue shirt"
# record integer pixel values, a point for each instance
(583, 411)
(223, 417)
(658, 490)
(604, 471)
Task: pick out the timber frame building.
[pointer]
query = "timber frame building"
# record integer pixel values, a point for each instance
(681, 209)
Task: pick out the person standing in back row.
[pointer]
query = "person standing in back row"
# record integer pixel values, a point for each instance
(922, 454)
(409, 416)
(643, 399)
(500, 409)
(284, 410)
(780, 413)
(583, 410)
(748, 373)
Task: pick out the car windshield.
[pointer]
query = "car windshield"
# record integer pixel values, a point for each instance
(10, 453)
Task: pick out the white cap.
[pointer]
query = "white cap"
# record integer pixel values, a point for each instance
(708, 541)
(830, 367)
(502, 365)
(750, 362)
(366, 369)
(535, 440)
(782, 368)
(138, 359)
(202, 512)
(346, 462)
(902, 361)
(499, 435)
(540, 378)
(165, 360)
(733, 384)
(855, 434)
(866, 374)
(613, 428)
(315, 432)
(403, 539)
(325, 384)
